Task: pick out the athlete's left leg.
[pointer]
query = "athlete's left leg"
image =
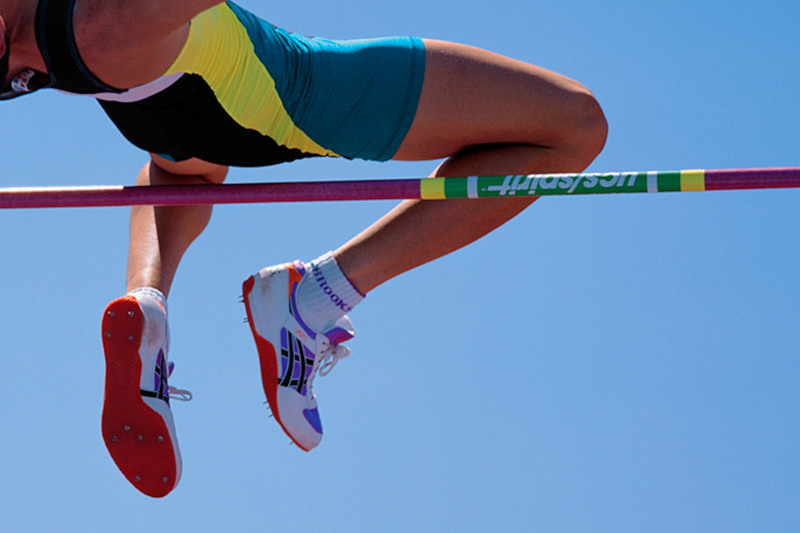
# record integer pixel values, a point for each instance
(489, 115)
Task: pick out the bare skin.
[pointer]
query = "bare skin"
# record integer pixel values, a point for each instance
(159, 236)
(124, 42)
(483, 112)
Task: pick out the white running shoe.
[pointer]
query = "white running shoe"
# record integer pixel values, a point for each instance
(290, 352)
(137, 422)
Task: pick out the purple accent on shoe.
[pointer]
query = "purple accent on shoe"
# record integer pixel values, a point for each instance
(160, 375)
(284, 357)
(338, 335)
(312, 415)
(157, 377)
(284, 339)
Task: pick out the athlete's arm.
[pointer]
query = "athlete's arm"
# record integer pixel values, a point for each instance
(130, 42)
(144, 17)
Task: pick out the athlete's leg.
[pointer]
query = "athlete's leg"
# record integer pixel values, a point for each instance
(159, 236)
(489, 115)
(137, 421)
(138, 426)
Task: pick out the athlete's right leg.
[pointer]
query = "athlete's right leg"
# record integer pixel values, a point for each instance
(137, 422)
(488, 115)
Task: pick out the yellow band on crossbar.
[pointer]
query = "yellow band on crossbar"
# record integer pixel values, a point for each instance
(693, 180)
(432, 189)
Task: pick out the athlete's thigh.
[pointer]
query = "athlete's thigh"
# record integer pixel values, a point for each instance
(471, 96)
(210, 172)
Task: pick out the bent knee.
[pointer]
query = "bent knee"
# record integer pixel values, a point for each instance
(586, 132)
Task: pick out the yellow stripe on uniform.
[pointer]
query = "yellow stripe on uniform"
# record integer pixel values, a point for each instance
(210, 50)
(432, 189)
(693, 180)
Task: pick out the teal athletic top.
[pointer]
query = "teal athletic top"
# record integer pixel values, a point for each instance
(243, 92)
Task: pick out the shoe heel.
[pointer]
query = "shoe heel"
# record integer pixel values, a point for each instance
(136, 436)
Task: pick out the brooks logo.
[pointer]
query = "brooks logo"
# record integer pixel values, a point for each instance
(328, 290)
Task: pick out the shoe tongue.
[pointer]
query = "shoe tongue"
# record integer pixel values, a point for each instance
(340, 331)
(338, 335)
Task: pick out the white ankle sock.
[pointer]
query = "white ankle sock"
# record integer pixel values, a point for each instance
(153, 293)
(157, 335)
(325, 294)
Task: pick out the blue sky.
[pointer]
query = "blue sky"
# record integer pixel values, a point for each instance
(617, 363)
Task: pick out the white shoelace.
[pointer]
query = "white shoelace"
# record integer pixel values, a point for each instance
(328, 355)
(182, 395)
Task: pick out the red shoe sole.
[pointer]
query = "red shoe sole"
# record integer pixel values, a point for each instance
(136, 436)
(267, 355)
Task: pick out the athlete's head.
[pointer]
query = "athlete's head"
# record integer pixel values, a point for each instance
(23, 82)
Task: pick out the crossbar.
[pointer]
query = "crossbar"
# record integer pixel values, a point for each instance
(510, 186)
